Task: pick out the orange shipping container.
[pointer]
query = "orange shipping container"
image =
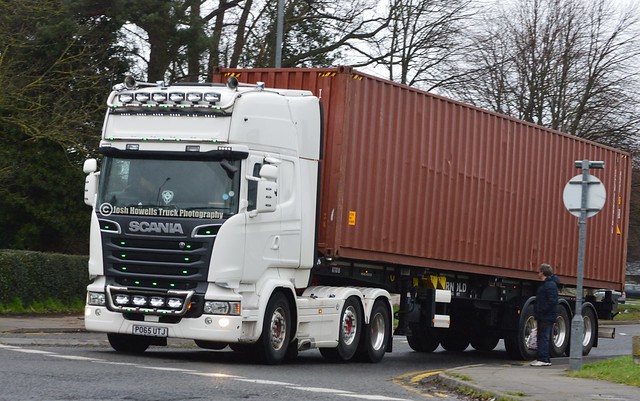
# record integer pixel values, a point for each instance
(411, 178)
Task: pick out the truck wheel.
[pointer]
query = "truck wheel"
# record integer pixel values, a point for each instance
(454, 341)
(484, 342)
(243, 348)
(276, 332)
(515, 341)
(422, 340)
(590, 332)
(376, 335)
(348, 332)
(210, 344)
(560, 333)
(128, 343)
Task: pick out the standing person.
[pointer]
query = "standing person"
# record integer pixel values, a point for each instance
(546, 312)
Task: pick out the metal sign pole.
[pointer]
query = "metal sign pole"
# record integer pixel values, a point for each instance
(588, 207)
(577, 323)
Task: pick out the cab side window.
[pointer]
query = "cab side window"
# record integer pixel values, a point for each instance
(252, 188)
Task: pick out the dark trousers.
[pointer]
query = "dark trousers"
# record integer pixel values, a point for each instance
(544, 337)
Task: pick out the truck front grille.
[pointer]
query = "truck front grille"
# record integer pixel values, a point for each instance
(157, 262)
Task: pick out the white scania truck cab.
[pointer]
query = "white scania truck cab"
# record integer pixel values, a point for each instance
(204, 226)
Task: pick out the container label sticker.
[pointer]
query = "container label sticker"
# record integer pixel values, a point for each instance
(352, 218)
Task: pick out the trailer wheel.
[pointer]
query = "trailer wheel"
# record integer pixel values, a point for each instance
(422, 340)
(515, 341)
(560, 333)
(590, 332)
(276, 332)
(128, 343)
(484, 342)
(454, 341)
(348, 332)
(376, 335)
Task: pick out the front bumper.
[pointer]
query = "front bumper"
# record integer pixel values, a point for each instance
(218, 328)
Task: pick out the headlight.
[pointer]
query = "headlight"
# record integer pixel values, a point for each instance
(96, 298)
(156, 302)
(139, 300)
(121, 299)
(174, 303)
(222, 308)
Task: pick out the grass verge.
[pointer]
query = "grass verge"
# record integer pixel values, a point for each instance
(628, 311)
(50, 305)
(617, 370)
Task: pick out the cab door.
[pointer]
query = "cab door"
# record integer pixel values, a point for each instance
(263, 232)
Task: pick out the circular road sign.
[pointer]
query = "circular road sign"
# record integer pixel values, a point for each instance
(572, 195)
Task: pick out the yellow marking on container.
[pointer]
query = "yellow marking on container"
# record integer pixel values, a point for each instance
(352, 217)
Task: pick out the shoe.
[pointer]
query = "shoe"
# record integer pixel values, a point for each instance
(540, 363)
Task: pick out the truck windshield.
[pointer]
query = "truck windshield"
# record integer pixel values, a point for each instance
(169, 188)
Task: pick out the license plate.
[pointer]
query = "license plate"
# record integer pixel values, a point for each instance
(150, 331)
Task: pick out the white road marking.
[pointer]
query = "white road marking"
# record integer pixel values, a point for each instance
(31, 351)
(319, 390)
(374, 397)
(74, 358)
(165, 369)
(259, 381)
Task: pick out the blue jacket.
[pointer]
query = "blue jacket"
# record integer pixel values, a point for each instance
(546, 307)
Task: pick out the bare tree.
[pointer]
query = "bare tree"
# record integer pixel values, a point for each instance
(423, 42)
(570, 65)
(315, 31)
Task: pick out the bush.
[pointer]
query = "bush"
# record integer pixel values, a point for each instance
(34, 278)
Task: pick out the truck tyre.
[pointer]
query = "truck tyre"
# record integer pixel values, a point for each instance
(422, 340)
(454, 341)
(348, 332)
(484, 342)
(243, 348)
(590, 330)
(376, 335)
(560, 333)
(210, 344)
(515, 341)
(128, 343)
(276, 330)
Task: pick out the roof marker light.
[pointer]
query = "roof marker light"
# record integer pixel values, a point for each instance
(194, 97)
(142, 97)
(125, 98)
(176, 97)
(159, 97)
(211, 97)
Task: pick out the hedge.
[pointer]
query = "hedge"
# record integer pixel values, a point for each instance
(32, 277)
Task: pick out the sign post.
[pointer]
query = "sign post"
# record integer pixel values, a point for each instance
(588, 192)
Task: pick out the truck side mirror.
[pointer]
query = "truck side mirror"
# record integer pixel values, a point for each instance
(91, 182)
(267, 198)
(90, 166)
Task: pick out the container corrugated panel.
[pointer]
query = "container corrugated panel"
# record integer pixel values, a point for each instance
(411, 178)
